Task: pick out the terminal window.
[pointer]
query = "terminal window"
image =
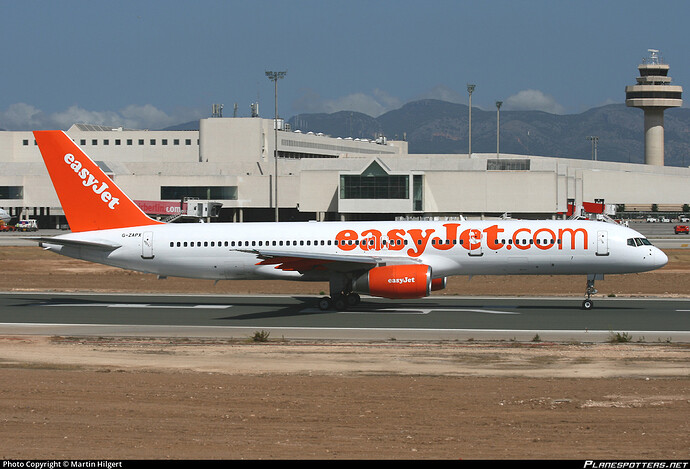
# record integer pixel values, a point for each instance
(11, 192)
(199, 192)
(374, 187)
(508, 164)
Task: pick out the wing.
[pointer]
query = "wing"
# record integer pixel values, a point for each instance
(306, 261)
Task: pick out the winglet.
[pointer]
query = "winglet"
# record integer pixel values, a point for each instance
(90, 199)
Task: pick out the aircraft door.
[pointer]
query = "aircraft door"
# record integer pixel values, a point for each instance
(602, 243)
(476, 243)
(147, 245)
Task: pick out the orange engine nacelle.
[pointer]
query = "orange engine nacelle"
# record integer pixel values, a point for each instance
(439, 283)
(395, 282)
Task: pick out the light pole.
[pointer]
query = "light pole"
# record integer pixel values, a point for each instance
(594, 140)
(470, 89)
(498, 126)
(274, 77)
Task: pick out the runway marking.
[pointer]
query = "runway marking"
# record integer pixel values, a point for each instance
(137, 305)
(420, 311)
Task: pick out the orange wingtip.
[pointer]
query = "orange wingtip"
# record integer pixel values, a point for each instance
(90, 199)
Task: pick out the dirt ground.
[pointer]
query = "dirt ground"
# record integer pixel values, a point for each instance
(125, 398)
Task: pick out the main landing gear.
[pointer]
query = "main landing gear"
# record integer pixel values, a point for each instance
(340, 302)
(588, 304)
(342, 297)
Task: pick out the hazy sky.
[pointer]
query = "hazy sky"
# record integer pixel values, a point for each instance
(150, 64)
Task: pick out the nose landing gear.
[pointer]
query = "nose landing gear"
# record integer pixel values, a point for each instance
(588, 304)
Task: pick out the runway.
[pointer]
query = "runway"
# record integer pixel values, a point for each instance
(295, 318)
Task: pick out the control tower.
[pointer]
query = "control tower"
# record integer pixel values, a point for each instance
(654, 94)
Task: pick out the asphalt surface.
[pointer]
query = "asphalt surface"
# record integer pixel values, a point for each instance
(434, 318)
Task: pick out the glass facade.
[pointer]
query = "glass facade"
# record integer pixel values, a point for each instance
(374, 183)
(507, 164)
(374, 187)
(11, 192)
(418, 193)
(199, 192)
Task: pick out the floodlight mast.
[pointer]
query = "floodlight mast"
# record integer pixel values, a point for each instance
(498, 127)
(470, 89)
(274, 77)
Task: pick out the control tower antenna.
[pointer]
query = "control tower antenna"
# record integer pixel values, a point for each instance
(653, 94)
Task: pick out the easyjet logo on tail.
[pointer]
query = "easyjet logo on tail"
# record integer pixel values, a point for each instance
(89, 180)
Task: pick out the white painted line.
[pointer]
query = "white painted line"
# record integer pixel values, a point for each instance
(136, 305)
(412, 310)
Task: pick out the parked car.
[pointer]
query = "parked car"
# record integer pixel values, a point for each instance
(683, 219)
(652, 220)
(682, 229)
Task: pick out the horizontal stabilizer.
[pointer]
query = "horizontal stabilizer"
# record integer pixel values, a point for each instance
(103, 245)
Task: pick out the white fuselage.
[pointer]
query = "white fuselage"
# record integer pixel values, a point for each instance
(500, 247)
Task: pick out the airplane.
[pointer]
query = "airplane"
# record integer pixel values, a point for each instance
(388, 259)
(4, 216)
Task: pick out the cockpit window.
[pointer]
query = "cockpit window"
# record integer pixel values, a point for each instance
(639, 242)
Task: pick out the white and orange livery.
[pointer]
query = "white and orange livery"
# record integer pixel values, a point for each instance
(390, 259)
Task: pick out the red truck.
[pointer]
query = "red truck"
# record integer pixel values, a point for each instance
(5, 227)
(682, 229)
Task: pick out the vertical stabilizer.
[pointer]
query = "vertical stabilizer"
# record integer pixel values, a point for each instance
(90, 199)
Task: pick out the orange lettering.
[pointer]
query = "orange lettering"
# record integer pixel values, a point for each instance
(573, 235)
(492, 237)
(419, 241)
(451, 235)
(548, 245)
(346, 235)
(515, 240)
(395, 240)
(471, 239)
(373, 243)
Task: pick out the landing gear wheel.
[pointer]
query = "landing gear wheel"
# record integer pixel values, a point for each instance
(588, 303)
(340, 303)
(325, 303)
(352, 299)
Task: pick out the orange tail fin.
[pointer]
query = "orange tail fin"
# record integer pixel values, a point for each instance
(90, 199)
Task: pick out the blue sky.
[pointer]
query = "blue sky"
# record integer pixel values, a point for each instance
(154, 63)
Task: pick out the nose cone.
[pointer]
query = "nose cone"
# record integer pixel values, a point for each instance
(660, 259)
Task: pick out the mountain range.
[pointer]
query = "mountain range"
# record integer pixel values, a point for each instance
(436, 127)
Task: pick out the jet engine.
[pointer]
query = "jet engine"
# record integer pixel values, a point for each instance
(439, 283)
(396, 282)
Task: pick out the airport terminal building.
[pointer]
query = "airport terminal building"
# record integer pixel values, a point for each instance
(231, 161)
